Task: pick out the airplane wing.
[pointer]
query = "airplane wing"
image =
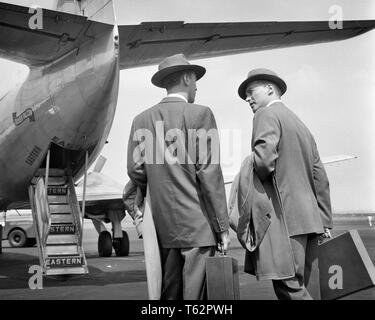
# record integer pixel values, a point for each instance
(102, 193)
(229, 178)
(338, 158)
(62, 33)
(149, 42)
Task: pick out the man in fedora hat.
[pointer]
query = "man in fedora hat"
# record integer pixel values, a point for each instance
(186, 185)
(286, 158)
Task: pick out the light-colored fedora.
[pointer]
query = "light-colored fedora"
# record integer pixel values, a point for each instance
(261, 74)
(172, 64)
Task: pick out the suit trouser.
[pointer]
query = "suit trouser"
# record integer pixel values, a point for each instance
(184, 272)
(305, 285)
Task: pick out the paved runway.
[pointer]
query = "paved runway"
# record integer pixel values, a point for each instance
(118, 278)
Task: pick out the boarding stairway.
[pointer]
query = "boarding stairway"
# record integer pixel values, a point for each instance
(58, 222)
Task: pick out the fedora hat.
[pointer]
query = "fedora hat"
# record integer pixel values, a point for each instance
(261, 74)
(172, 64)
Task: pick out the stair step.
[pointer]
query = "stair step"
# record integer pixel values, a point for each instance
(55, 239)
(58, 199)
(54, 176)
(53, 250)
(62, 228)
(61, 271)
(52, 172)
(57, 181)
(52, 181)
(59, 208)
(61, 218)
(64, 261)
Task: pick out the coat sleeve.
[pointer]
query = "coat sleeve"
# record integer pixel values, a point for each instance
(208, 171)
(233, 204)
(266, 137)
(135, 160)
(321, 184)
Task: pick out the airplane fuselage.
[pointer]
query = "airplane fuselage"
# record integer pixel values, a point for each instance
(69, 103)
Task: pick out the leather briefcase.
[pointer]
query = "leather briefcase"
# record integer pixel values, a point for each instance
(222, 278)
(344, 266)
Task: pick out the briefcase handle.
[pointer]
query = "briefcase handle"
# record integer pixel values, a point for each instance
(222, 253)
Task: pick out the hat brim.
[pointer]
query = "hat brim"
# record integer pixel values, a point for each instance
(158, 77)
(267, 77)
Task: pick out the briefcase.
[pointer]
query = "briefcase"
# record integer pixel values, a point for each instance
(344, 266)
(222, 278)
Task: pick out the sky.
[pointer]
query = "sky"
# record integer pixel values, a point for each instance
(330, 87)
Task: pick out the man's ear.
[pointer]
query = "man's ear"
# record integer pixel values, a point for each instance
(186, 79)
(270, 90)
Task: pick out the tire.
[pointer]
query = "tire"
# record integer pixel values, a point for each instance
(17, 238)
(105, 244)
(121, 245)
(31, 242)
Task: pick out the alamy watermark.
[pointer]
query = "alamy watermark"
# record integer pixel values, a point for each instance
(335, 282)
(36, 280)
(192, 146)
(36, 20)
(336, 17)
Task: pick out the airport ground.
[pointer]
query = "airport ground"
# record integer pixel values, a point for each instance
(124, 278)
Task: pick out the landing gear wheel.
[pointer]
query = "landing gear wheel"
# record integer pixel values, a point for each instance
(105, 244)
(121, 245)
(17, 238)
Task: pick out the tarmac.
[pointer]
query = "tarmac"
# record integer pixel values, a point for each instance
(124, 278)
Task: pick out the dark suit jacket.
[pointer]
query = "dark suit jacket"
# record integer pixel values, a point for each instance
(187, 199)
(285, 152)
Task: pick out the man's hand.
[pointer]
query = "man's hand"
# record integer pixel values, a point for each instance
(326, 234)
(138, 221)
(139, 209)
(224, 241)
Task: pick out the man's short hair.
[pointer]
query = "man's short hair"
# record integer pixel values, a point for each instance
(174, 79)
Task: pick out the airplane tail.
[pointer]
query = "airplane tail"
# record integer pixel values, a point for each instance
(69, 6)
(41, 37)
(95, 10)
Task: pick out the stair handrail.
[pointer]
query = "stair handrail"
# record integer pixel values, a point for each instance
(37, 226)
(76, 210)
(41, 217)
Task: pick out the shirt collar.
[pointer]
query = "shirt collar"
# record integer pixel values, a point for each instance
(272, 102)
(176, 95)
